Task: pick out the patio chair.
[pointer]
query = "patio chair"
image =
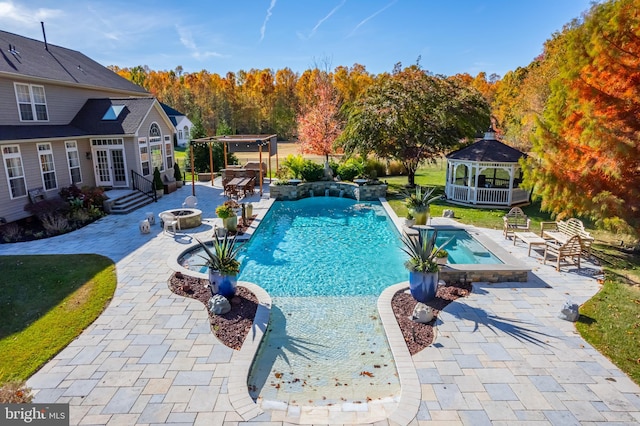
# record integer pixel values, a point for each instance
(572, 250)
(169, 221)
(190, 202)
(515, 221)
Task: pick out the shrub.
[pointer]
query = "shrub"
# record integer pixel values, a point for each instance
(395, 168)
(350, 169)
(312, 171)
(375, 168)
(10, 232)
(334, 167)
(157, 180)
(177, 174)
(15, 393)
(294, 164)
(55, 223)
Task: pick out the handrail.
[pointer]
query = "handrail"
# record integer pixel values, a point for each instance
(144, 185)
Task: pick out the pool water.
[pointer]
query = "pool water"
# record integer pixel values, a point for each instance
(324, 261)
(464, 249)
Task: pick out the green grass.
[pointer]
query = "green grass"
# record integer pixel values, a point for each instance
(610, 321)
(46, 303)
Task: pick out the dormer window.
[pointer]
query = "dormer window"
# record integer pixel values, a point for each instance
(32, 102)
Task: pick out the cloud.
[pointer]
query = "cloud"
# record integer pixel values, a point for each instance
(320, 22)
(12, 14)
(263, 29)
(364, 21)
(186, 38)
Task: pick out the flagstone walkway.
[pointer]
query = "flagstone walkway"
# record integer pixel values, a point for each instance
(502, 356)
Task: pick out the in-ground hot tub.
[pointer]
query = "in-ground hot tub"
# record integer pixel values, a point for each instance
(187, 218)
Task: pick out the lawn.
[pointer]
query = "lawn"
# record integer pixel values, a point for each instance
(46, 303)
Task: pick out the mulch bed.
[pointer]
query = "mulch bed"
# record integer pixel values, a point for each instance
(418, 336)
(231, 328)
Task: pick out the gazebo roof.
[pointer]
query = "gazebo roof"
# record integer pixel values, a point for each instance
(488, 150)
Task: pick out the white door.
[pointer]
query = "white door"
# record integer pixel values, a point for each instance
(110, 167)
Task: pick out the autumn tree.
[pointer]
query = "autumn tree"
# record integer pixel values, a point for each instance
(319, 125)
(587, 142)
(412, 116)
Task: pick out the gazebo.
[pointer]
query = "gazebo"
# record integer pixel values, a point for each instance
(485, 173)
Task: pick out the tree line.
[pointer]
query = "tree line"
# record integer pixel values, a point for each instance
(575, 109)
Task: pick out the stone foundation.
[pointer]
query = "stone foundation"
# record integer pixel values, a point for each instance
(320, 188)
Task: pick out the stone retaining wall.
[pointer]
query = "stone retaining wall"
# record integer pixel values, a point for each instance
(491, 276)
(319, 189)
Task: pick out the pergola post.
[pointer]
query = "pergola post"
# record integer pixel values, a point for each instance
(193, 181)
(260, 167)
(211, 162)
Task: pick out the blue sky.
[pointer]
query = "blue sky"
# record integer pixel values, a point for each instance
(450, 36)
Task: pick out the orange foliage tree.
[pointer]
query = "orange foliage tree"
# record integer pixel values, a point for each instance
(319, 125)
(587, 142)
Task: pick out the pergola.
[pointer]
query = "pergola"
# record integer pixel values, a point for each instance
(486, 172)
(242, 143)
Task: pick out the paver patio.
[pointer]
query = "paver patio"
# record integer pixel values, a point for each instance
(502, 356)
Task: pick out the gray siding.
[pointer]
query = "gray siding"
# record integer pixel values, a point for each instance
(63, 102)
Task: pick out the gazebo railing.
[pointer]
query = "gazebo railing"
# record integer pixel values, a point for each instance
(492, 196)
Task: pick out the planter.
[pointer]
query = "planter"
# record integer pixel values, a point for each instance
(421, 216)
(179, 183)
(441, 260)
(423, 285)
(224, 285)
(230, 223)
(159, 193)
(248, 208)
(204, 177)
(409, 222)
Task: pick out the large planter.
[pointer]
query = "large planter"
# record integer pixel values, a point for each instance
(224, 285)
(230, 223)
(423, 285)
(421, 216)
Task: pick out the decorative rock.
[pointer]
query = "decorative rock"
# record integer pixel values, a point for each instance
(422, 313)
(569, 311)
(448, 213)
(219, 305)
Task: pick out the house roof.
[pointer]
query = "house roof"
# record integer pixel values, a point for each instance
(29, 57)
(488, 150)
(88, 121)
(172, 113)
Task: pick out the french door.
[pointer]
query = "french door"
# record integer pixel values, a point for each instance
(109, 163)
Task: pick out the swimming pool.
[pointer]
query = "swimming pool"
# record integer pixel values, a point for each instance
(324, 261)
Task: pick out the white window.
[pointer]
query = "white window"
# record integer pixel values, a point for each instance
(155, 146)
(180, 134)
(168, 151)
(32, 102)
(145, 161)
(47, 167)
(186, 132)
(14, 170)
(73, 161)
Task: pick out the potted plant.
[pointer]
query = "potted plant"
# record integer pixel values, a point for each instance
(409, 220)
(177, 175)
(441, 256)
(158, 185)
(422, 264)
(227, 213)
(221, 259)
(418, 203)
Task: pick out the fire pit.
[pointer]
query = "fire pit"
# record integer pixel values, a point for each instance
(187, 218)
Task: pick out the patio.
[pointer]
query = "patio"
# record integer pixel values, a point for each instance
(501, 354)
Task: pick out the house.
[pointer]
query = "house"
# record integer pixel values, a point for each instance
(181, 123)
(65, 119)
